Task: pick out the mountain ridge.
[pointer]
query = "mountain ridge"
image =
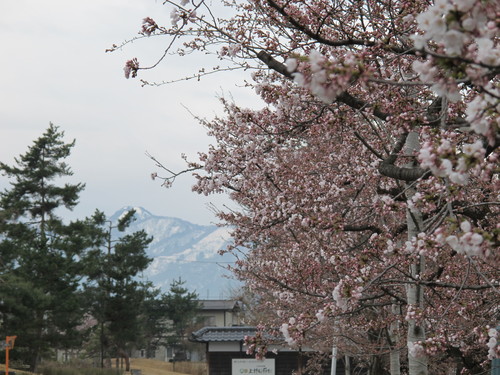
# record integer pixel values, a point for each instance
(181, 249)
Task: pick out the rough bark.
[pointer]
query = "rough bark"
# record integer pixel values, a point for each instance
(395, 353)
(347, 360)
(400, 173)
(407, 173)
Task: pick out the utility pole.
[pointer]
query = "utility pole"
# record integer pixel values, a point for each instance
(333, 370)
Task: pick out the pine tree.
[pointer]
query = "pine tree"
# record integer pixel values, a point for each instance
(181, 307)
(168, 317)
(155, 324)
(116, 296)
(39, 298)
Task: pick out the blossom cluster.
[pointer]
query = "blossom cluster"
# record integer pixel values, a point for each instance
(256, 345)
(231, 50)
(444, 161)
(440, 84)
(493, 346)
(286, 335)
(320, 315)
(416, 349)
(413, 313)
(345, 293)
(455, 24)
(462, 29)
(325, 78)
(469, 243)
(483, 113)
(149, 26)
(422, 245)
(339, 298)
(429, 347)
(489, 336)
(177, 15)
(131, 68)
(294, 330)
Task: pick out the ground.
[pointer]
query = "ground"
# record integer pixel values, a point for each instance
(150, 367)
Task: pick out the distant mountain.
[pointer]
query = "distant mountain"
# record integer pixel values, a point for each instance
(186, 250)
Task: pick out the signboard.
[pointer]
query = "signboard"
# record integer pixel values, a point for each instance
(249, 366)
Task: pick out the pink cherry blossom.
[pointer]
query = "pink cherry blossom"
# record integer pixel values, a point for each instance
(366, 184)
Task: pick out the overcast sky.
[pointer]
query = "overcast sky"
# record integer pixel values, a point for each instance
(53, 68)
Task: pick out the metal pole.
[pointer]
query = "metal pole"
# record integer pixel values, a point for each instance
(334, 361)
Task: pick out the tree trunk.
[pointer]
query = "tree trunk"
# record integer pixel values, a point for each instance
(417, 363)
(123, 354)
(107, 362)
(35, 357)
(376, 367)
(394, 355)
(347, 360)
(414, 293)
(36, 349)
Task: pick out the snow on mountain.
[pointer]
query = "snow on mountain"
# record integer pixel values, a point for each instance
(181, 249)
(140, 213)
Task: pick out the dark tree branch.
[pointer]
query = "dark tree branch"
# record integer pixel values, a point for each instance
(345, 97)
(368, 146)
(334, 43)
(395, 192)
(274, 64)
(401, 173)
(359, 104)
(399, 299)
(315, 35)
(361, 228)
(436, 284)
(388, 169)
(474, 212)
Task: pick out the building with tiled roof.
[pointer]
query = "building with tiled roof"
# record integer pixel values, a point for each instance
(222, 334)
(220, 313)
(212, 313)
(226, 353)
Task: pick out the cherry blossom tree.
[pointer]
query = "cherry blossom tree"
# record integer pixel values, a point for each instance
(368, 181)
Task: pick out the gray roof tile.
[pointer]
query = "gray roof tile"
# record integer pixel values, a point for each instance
(219, 304)
(222, 334)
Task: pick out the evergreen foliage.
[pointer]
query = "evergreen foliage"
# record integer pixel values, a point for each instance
(77, 284)
(169, 317)
(40, 300)
(115, 296)
(181, 307)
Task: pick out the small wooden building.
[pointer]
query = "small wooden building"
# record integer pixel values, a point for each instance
(226, 354)
(220, 313)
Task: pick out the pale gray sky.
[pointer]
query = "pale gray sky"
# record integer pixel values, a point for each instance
(53, 68)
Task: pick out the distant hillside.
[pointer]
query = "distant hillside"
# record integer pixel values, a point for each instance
(186, 250)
